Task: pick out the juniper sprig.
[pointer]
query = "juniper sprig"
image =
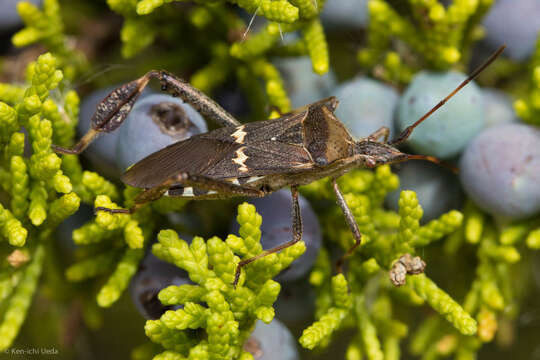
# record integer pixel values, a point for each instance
(39, 195)
(224, 312)
(386, 236)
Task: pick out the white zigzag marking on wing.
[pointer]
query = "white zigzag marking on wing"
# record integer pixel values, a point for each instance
(239, 135)
(240, 159)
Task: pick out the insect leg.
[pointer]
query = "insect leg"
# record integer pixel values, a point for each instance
(297, 236)
(113, 110)
(349, 217)
(196, 98)
(146, 196)
(383, 131)
(110, 113)
(220, 186)
(223, 188)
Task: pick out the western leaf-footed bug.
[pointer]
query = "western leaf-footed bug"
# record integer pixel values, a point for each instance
(257, 158)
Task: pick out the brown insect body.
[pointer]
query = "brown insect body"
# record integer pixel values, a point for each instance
(295, 149)
(254, 159)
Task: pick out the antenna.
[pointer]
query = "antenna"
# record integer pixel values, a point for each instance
(408, 130)
(434, 160)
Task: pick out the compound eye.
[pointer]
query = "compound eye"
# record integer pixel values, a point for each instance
(321, 161)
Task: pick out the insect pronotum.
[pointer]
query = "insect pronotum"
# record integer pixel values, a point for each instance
(256, 158)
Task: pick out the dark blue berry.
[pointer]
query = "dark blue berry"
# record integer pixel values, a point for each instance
(64, 231)
(153, 276)
(437, 188)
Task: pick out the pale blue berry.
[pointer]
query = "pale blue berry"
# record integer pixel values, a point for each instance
(302, 84)
(156, 120)
(498, 107)
(365, 105)
(500, 170)
(515, 23)
(446, 132)
(345, 14)
(271, 342)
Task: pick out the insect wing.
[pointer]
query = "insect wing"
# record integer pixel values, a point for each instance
(261, 159)
(193, 156)
(258, 148)
(266, 147)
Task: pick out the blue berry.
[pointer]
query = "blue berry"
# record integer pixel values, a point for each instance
(514, 23)
(302, 84)
(64, 231)
(296, 303)
(102, 152)
(152, 276)
(365, 105)
(185, 221)
(156, 120)
(438, 190)
(276, 229)
(500, 170)
(498, 107)
(272, 341)
(445, 133)
(345, 13)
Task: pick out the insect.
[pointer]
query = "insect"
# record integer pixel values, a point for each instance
(256, 158)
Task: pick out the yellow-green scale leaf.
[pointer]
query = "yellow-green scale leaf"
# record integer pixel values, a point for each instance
(37, 212)
(91, 267)
(20, 301)
(8, 121)
(19, 187)
(315, 40)
(119, 280)
(443, 303)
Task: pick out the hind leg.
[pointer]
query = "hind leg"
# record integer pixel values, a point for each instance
(189, 186)
(113, 110)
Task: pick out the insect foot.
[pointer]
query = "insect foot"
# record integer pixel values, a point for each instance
(283, 250)
(406, 265)
(113, 211)
(115, 107)
(277, 227)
